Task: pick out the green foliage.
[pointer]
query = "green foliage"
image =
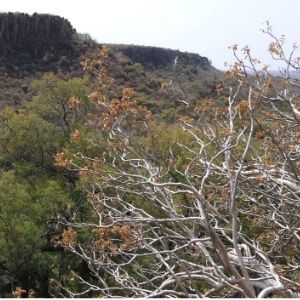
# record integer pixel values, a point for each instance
(33, 189)
(19, 232)
(169, 115)
(26, 137)
(52, 101)
(23, 210)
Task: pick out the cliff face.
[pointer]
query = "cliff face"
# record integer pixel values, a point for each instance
(154, 57)
(33, 34)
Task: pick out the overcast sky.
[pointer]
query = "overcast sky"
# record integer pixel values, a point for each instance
(206, 27)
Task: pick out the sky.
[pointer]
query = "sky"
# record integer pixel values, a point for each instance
(206, 27)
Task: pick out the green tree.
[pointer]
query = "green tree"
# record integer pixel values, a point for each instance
(34, 192)
(20, 235)
(62, 103)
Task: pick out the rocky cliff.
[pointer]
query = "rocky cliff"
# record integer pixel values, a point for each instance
(155, 57)
(32, 34)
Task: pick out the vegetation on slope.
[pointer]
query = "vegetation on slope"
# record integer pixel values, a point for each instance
(140, 172)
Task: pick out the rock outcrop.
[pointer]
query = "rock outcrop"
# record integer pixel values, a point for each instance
(155, 57)
(32, 34)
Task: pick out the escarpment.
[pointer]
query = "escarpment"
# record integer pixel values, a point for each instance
(156, 57)
(32, 34)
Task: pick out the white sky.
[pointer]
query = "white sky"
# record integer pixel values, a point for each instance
(206, 27)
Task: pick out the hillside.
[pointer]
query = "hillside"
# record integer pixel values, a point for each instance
(193, 194)
(31, 46)
(41, 79)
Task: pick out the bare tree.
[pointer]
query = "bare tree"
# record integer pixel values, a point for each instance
(216, 215)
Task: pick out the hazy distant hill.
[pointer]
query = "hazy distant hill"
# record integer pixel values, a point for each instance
(278, 73)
